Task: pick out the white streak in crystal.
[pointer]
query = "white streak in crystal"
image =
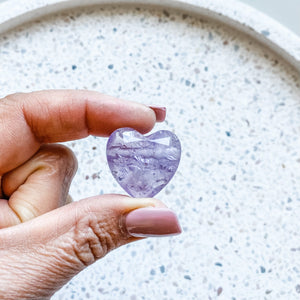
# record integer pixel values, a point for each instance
(164, 141)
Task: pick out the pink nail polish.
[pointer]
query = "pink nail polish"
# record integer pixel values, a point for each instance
(147, 222)
(160, 113)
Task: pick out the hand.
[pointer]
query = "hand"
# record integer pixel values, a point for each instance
(44, 242)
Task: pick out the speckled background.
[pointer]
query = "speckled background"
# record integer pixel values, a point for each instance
(235, 107)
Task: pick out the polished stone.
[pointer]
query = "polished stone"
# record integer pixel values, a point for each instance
(143, 165)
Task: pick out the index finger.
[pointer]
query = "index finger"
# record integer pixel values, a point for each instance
(29, 120)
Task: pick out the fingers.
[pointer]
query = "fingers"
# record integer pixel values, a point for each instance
(28, 120)
(38, 186)
(59, 244)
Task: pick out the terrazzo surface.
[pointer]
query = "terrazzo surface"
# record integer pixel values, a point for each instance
(234, 105)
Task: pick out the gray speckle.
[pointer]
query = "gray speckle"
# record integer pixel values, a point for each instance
(265, 32)
(160, 65)
(152, 272)
(262, 269)
(166, 13)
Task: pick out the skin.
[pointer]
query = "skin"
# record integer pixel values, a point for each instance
(44, 241)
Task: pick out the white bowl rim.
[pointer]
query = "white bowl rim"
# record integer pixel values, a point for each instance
(230, 12)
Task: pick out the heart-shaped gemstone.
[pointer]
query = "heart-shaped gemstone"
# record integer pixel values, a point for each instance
(143, 165)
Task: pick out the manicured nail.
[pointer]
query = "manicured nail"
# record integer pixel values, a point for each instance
(160, 113)
(147, 222)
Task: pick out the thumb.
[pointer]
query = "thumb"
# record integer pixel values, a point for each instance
(41, 255)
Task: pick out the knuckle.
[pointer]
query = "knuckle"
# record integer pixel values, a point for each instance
(12, 103)
(57, 159)
(10, 107)
(13, 97)
(94, 238)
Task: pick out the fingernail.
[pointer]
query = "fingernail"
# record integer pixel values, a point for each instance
(160, 113)
(147, 222)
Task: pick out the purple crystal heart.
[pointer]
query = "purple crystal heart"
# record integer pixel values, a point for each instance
(143, 165)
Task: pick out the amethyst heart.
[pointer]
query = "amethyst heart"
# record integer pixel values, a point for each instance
(143, 165)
